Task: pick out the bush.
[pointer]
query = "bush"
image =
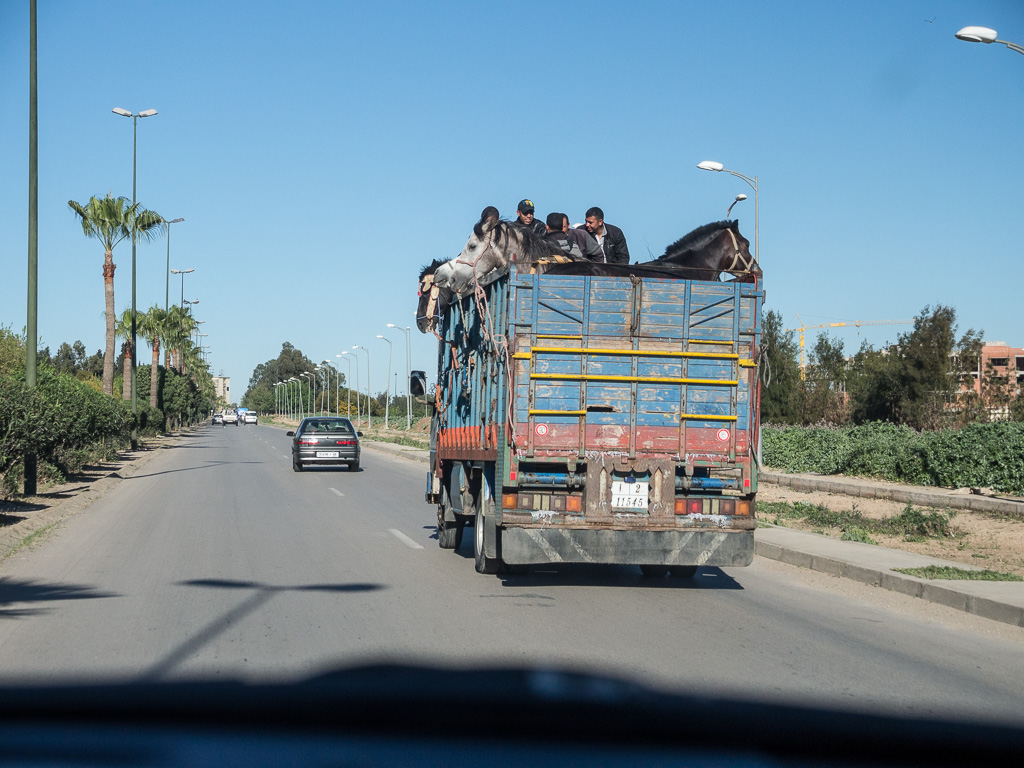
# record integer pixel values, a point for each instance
(979, 455)
(62, 420)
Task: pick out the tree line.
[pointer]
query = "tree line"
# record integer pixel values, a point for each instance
(924, 380)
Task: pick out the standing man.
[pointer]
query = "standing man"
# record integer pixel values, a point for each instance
(608, 236)
(525, 219)
(557, 235)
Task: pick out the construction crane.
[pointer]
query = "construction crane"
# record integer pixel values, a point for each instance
(858, 323)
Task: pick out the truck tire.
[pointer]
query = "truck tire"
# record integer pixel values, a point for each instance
(484, 564)
(654, 571)
(682, 571)
(449, 535)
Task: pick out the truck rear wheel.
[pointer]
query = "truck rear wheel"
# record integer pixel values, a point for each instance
(484, 564)
(654, 571)
(682, 571)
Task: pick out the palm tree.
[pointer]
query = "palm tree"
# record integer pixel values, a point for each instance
(123, 330)
(154, 330)
(110, 220)
(180, 327)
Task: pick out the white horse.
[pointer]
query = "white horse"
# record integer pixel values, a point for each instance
(492, 246)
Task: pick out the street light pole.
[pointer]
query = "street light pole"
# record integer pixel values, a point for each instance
(408, 394)
(985, 35)
(369, 406)
(167, 282)
(387, 381)
(135, 144)
(348, 386)
(739, 198)
(182, 272)
(710, 165)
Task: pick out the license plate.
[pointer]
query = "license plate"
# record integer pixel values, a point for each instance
(630, 495)
(328, 454)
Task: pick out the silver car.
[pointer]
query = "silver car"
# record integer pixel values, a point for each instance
(325, 441)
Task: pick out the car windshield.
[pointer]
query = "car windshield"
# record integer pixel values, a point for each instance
(332, 426)
(654, 462)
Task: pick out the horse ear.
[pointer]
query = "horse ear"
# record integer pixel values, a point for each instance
(488, 225)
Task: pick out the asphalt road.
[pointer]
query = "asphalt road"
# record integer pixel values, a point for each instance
(218, 561)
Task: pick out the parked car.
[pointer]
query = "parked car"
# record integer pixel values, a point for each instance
(325, 441)
(218, 418)
(250, 417)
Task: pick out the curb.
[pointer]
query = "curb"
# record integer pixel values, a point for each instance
(873, 489)
(941, 593)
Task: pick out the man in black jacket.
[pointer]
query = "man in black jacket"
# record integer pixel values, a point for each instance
(526, 220)
(608, 236)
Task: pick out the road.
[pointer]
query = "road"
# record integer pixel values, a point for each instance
(217, 561)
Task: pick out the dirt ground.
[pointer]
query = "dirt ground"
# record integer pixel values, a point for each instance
(985, 541)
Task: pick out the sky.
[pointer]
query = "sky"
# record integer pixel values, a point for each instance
(321, 152)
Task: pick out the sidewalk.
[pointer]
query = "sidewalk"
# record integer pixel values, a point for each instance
(1001, 601)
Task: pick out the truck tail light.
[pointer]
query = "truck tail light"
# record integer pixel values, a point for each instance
(573, 503)
(727, 506)
(694, 506)
(509, 500)
(743, 507)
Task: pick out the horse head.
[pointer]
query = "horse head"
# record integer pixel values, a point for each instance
(434, 295)
(712, 249)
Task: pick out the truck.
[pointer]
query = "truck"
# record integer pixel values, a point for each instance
(598, 418)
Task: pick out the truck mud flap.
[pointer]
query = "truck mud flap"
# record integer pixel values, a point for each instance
(568, 545)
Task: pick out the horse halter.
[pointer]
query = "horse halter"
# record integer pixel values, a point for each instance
(736, 254)
(427, 284)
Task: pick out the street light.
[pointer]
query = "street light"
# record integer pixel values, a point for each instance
(348, 383)
(309, 386)
(739, 198)
(369, 408)
(408, 395)
(182, 272)
(167, 286)
(985, 35)
(190, 303)
(135, 147)
(387, 397)
(710, 165)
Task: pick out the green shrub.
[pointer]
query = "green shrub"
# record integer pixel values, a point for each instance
(985, 455)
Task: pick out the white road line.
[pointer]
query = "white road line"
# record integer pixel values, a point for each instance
(404, 539)
(336, 491)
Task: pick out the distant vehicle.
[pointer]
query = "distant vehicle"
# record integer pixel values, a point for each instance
(231, 417)
(218, 418)
(325, 441)
(250, 417)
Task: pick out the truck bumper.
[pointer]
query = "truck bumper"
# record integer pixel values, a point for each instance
(629, 547)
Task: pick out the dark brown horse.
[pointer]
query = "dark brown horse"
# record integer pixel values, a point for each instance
(713, 249)
(433, 297)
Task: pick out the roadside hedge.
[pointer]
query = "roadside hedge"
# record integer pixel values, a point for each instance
(979, 455)
(64, 421)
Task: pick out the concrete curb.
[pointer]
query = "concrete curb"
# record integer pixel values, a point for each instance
(873, 489)
(867, 564)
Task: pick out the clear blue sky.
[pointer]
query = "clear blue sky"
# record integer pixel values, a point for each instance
(321, 152)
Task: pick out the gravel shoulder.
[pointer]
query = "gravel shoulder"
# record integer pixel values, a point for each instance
(983, 540)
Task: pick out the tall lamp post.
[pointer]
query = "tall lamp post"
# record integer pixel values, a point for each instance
(710, 165)
(309, 388)
(348, 383)
(182, 272)
(190, 303)
(739, 199)
(985, 35)
(167, 282)
(369, 407)
(135, 146)
(387, 381)
(408, 395)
